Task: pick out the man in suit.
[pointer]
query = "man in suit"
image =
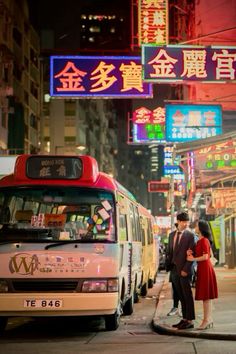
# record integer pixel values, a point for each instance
(168, 267)
(181, 270)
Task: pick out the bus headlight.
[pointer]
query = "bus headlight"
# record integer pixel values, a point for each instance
(100, 286)
(3, 286)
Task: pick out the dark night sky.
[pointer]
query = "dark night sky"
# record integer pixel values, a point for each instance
(64, 18)
(45, 12)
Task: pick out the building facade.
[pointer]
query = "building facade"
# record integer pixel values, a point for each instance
(20, 95)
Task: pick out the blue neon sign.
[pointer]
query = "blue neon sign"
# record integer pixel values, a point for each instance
(192, 122)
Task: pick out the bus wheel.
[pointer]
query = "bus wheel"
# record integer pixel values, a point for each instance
(128, 308)
(3, 323)
(112, 322)
(143, 291)
(150, 283)
(136, 297)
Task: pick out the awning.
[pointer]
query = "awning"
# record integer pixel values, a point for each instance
(182, 148)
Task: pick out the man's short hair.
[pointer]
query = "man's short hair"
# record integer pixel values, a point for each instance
(183, 216)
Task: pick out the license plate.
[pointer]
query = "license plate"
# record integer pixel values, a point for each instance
(42, 303)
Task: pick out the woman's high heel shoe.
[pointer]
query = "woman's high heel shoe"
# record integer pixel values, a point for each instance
(205, 325)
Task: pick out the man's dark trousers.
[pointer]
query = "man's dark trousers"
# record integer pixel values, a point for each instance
(183, 287)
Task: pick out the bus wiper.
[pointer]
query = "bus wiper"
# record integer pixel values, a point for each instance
(58, 243)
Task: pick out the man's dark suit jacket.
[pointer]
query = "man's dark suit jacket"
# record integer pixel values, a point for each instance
(179, 256)
(169, 251)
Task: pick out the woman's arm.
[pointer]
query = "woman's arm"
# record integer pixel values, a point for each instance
(204, 257)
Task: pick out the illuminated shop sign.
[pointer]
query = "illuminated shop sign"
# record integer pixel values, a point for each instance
(178, 63)
(172, 170)
(192, 122)
(216, 157)
(162, 187)
(158, 186)
(191, 172)
(149, 125)
(168, 155)
(101, 76)
(224, 198)
(153, 21)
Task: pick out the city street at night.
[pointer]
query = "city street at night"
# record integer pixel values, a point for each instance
(117, 176)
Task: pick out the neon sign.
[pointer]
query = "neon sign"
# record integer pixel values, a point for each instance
(149, 125)
(98, 76)
(153, 21)
(179, 63)
(192, 122)
(216, 157)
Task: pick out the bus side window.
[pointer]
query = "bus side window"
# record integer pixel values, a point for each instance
(150, 234)
(142, 225)
(123, 230)
(135, 223)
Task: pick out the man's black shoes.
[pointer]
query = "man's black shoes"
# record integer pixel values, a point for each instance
(178, 324)
(183, 324)
(186, 325)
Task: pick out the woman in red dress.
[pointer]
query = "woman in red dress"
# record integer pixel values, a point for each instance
(206, 285)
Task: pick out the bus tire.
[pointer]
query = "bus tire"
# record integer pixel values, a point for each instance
(136, 297)
(3, 323)
(144, 289)
(128, 308)
(112, 322)
(150, 283)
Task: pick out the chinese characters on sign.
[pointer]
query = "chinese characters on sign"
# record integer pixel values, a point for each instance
(54, 167)
(216, 157)
(172, 167)
(192, 122)
(159, 186)
(179, 63)
(153, 21)
(149, 125)
(97, 77)
(224, 198)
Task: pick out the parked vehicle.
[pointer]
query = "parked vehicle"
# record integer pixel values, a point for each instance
(73, 241)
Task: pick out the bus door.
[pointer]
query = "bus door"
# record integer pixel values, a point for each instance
(136, 244)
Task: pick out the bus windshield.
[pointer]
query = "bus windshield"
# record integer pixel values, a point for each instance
(48, 213)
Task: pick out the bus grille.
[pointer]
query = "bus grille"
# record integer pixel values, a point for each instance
(45, 286)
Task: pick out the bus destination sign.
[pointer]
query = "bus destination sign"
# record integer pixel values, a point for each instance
(54, 167)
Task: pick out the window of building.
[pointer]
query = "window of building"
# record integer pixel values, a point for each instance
(70, 108)
(33, 89)
(69, 140)
(26, 62)
(26, 97)
(33, 121)
(17, 36)
(17, 72)
(33, 57)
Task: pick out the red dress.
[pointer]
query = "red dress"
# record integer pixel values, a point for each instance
(206, 286)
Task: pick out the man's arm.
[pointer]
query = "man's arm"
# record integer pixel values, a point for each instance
(187, 268)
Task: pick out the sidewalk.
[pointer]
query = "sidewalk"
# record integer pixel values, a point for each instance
(224, 310)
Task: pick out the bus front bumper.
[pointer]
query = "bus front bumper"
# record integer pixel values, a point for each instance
(58, 304)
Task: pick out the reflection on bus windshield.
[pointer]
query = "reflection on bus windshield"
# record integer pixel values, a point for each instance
(49, 213)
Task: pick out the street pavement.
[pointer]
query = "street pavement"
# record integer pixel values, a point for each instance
(224, 310)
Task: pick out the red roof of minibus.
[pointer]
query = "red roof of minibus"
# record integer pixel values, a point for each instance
(91, 177)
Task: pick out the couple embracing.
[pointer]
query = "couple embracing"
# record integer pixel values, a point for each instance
(182, 252)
